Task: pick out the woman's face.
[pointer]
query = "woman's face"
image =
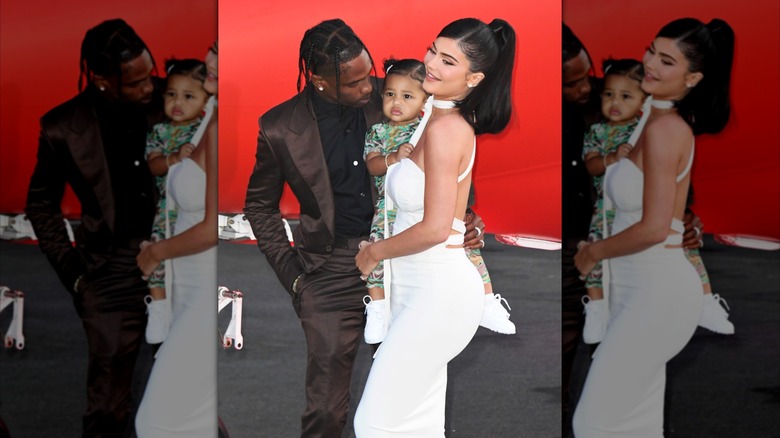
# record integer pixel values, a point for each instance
(448, 71)
(666, 71)
(210, 84)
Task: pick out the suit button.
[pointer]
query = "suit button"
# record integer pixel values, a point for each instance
(328, 248)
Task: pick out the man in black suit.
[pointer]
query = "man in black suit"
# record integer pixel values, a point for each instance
(95, 143)
(315, 142)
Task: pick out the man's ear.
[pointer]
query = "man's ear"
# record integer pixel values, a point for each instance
(319, 82)
(101, 82)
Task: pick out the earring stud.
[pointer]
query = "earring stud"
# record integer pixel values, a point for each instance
(470, 85)
(102, 88)
(320, 88)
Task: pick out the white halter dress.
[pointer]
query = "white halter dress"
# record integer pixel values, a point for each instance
(437, 300)
(655, 304)
(181, 395)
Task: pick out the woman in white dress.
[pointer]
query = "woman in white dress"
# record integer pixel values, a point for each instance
(436, 297)
(181, 394)
(655, 293)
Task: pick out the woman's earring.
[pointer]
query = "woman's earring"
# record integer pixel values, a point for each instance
(321, 88)
(102, 88)
(470, 85)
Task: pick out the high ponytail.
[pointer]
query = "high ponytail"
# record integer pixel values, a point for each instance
(709, 49)
(490, 48)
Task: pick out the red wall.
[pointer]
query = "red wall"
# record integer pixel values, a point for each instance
(40, 44)
(736, 173)
(517, 175)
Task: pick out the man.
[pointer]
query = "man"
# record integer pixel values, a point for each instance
(95, 143)
(315, 142)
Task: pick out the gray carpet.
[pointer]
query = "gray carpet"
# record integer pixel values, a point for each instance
(725, 386)
(500, 386)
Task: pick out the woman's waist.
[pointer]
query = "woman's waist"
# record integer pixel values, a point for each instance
(625, 219)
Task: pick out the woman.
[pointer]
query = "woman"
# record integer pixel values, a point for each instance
(655, 300)
(436, 293)
(181, 395)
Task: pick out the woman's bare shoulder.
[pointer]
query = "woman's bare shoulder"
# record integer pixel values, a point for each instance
(668, 129)
(449, 127)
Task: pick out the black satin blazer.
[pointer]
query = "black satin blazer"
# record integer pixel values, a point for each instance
(289, 149)
(70, 152)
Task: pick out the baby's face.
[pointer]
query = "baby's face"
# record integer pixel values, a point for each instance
(402, 99)
(185, 99)
(621, 99)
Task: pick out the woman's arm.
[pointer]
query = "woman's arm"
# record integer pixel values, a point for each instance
(448, 144)
(666, 140)
(202, 235)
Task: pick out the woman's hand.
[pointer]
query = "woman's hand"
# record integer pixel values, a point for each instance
(474, 238)
(147, 263)
(364, 260)
(583, 260)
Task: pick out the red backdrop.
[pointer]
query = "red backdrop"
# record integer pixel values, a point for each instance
(40, 43)
(517, 174)
(736, 173)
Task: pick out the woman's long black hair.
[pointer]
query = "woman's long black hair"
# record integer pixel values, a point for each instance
(709, 48)
(490, 48)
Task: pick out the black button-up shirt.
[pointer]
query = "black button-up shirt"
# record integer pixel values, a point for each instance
(343, 134)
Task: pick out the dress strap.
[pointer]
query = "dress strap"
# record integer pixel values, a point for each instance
(471, 162)
(688, 167)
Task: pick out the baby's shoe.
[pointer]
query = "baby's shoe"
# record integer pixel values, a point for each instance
(375, 320)
(159, 321)
(714, 317)
(596, 318)
(495, 317)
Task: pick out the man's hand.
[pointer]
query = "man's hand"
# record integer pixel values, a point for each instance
(693, 237)
(474, 238)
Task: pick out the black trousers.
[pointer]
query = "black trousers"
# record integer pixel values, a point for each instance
(113, 314)
(332, 317)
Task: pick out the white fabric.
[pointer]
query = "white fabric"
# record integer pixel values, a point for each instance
(655, 305)
(181, 394)
(437, 305)
(457, 224)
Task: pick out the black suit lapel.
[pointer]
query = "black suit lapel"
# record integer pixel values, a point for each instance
(86, 147)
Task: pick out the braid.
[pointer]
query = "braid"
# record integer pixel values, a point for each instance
(324, 48)
(106, 47)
